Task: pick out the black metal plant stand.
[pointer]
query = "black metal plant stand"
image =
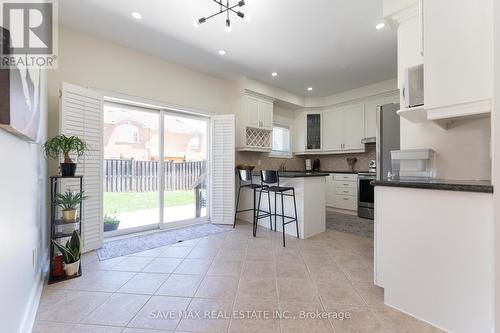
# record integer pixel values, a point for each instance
(56, 223)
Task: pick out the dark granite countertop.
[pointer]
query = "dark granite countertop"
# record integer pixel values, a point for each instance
(439, 184)
(296, 174)
(329, 171)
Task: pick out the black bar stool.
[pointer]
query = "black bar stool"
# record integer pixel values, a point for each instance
(246, 181)
(270, 182)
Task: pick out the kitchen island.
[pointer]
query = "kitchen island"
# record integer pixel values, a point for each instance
(310, 190)
(434, 251)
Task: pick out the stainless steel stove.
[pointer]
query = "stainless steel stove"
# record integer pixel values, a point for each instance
(366, 195)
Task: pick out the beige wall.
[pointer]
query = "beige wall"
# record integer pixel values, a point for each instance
(93, 62)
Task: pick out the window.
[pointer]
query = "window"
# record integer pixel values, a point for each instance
(128, 133)
(281, 141)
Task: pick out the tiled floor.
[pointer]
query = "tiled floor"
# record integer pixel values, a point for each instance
(239, 280)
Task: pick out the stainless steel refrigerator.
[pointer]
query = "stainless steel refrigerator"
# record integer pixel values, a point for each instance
(387, 137)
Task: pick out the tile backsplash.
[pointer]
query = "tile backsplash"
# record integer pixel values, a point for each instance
(336, 162)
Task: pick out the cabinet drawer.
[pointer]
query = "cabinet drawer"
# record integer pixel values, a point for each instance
(346, 184)
(344, 191)
(346, 202)
(347, 177)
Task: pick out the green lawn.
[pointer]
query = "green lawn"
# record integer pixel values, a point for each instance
(127, 202)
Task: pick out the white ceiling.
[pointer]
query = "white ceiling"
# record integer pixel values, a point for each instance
(331, 45)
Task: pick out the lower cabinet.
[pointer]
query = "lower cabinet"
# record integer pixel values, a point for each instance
(342, 191)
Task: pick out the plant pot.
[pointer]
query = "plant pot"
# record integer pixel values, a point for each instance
(111, 226)
(57, 266)
(68, 169)
(69, 215)
(72, 269)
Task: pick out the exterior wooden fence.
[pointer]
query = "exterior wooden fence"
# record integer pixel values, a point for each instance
(143, 176)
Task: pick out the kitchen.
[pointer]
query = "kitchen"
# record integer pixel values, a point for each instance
(338, 140)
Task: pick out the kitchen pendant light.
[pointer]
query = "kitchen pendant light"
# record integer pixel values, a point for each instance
(227, 9)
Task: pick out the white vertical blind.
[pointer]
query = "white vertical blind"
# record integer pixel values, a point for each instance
(222, 169)
(81, 115)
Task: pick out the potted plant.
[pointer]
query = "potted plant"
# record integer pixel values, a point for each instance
(63, 145)
(111, 222)
(68, 202)
(71, 254)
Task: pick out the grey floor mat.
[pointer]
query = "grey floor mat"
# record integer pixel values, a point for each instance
(136, 244)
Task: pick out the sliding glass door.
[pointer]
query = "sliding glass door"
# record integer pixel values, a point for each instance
(155, 165)
(185, 166)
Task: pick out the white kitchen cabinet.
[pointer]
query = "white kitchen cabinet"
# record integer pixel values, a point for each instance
(334, 130)
(458, 61)
(266, 115)
(342, 191)
(251, 107)
(314, 131)
(254, 123)
(258, 113)
(354, 127)
(344, 128)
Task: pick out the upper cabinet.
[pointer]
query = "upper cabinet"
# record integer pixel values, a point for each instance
(344, 128)
(458, 57)
(254, 123)
(313, 131)
(258, 112)
(336, 130)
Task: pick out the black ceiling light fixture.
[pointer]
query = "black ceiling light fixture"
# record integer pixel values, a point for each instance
(226, 8)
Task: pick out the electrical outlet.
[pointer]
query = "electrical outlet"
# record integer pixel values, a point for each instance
(259, 162)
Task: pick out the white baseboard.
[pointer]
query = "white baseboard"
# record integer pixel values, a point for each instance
(31, 309)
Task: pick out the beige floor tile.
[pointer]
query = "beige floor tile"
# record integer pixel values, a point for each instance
(235, 243)
(51, 327)
(370, 293)
(338, 292)
(359, 273)
(225, 268)
(284, 255)
(213, 316)
(330, 272)
(153, 253)
(220, 287)
(297, 290)
(79, 283)
(144, 283)
(258, 269)
(231, 254)
(399, 322)
(162, 265)
(109, 281)
(258, 288)
(101, 264)
(292, 270)
(176, 252)
(117, 310)
(142, 330)
(132, 264)
(180, 285)
(95, 329)
(160, 312)
(349, 319)
(256, 254)
(253, 315)
(202, 253)
(71, 307)
(300, 318)
(260, 243)
(193, 266)
(317, 257)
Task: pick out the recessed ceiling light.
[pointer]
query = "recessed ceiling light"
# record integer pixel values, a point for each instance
(310, 89)
(136, 15)
(274, 74)
(222, 52)
(380, 26)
